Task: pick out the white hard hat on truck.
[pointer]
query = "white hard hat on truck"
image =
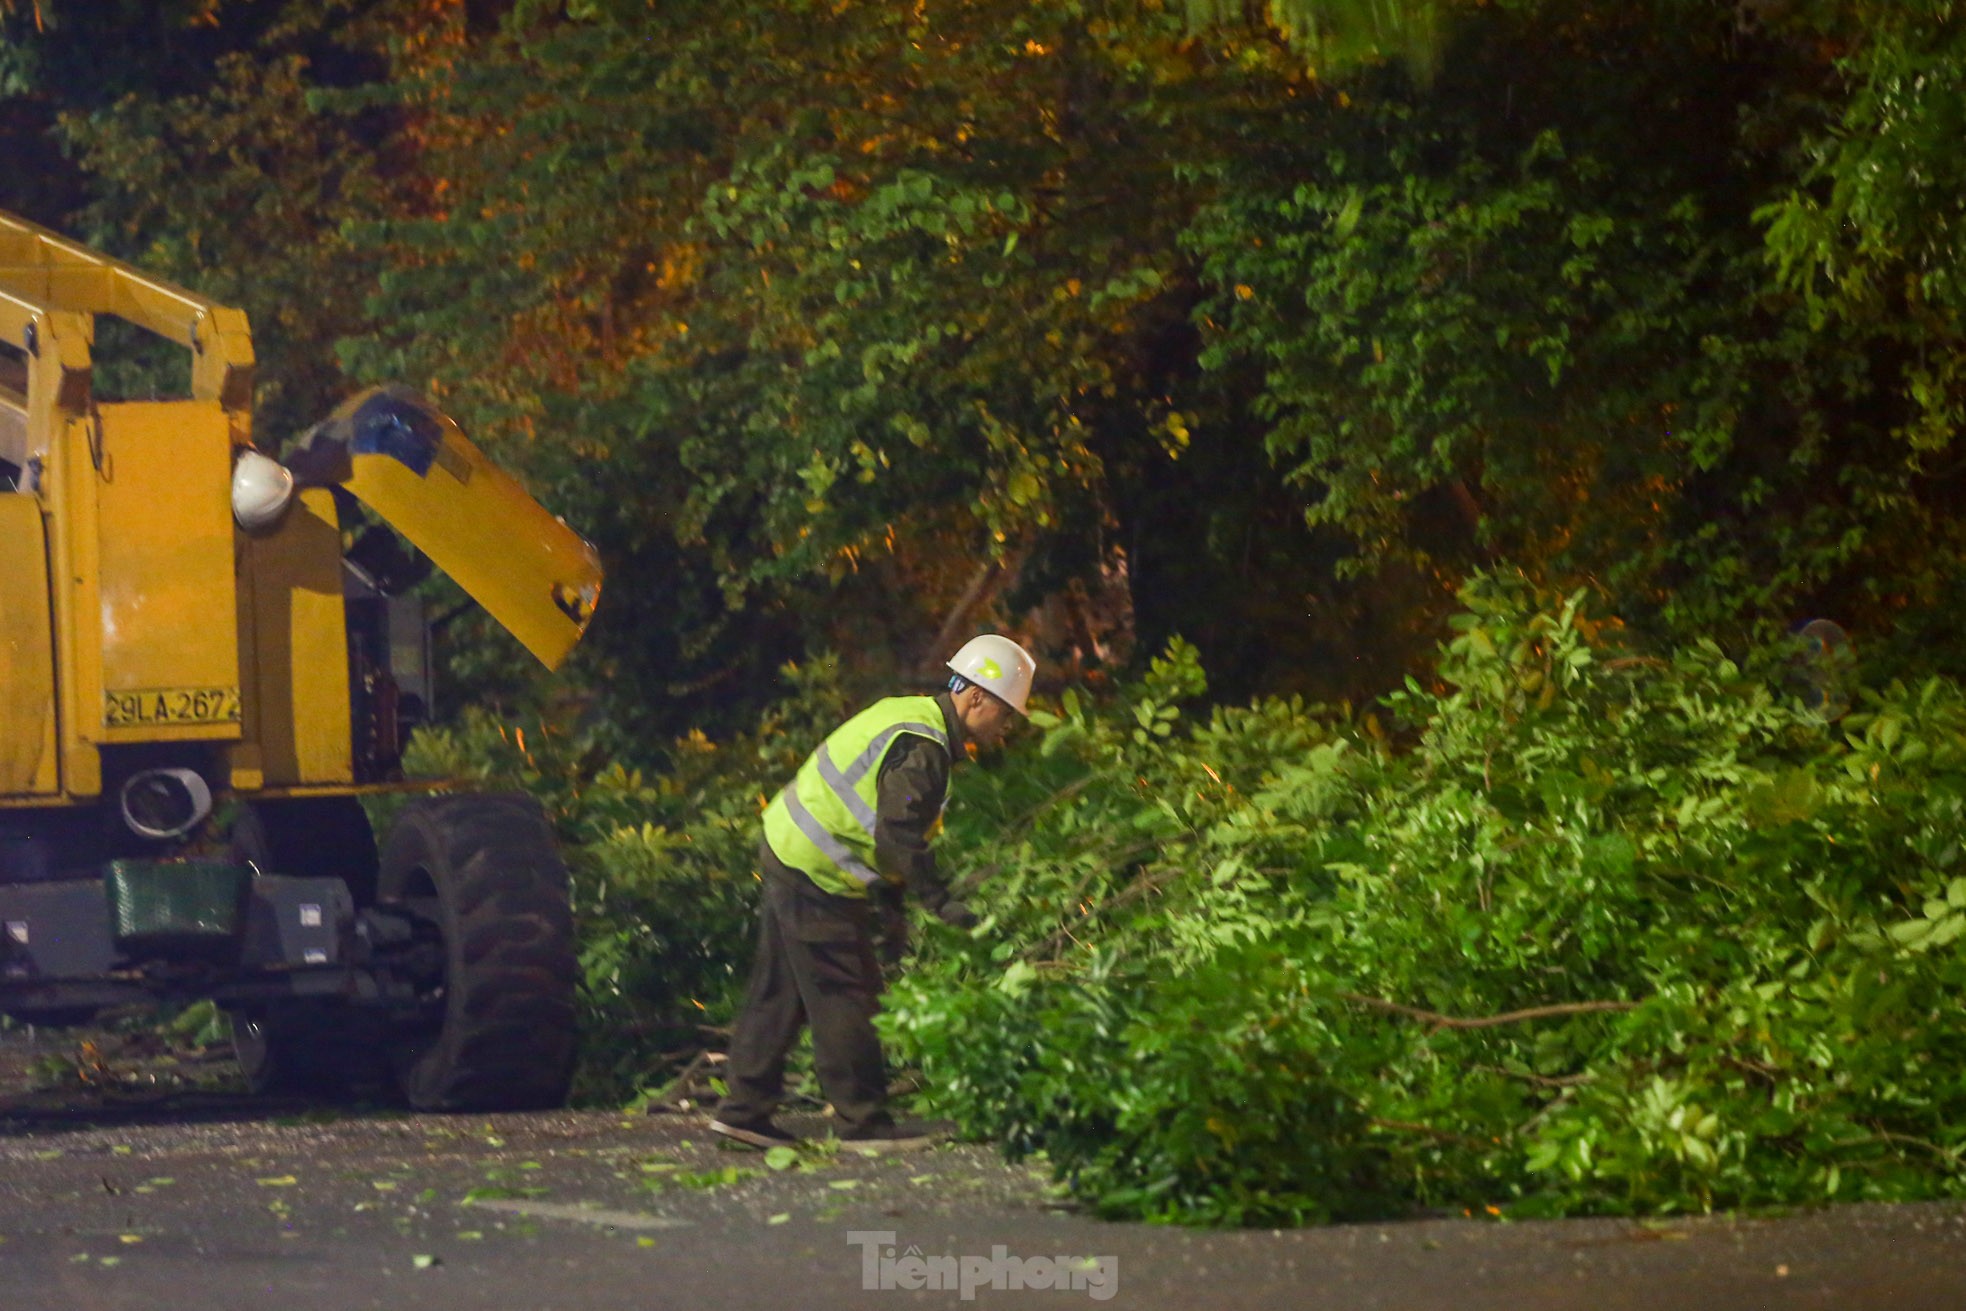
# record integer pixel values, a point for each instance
(261, 488)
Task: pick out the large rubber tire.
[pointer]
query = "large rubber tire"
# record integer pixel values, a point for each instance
(498, 1028)
(316, 1049)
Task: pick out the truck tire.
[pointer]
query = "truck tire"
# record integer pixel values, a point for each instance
(320, 1050)
(497, 1029)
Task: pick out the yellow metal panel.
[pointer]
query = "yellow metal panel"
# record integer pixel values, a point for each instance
(536, 576)
(27, 657)
(50, 291)
(222, 366)
(167, 605)
(59, 375)
(296, 653)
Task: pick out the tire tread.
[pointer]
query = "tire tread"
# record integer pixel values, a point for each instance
(508, 1036)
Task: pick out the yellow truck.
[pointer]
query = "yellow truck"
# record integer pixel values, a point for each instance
(191, 629)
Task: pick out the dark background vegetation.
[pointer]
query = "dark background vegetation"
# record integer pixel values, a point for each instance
(1262, 339)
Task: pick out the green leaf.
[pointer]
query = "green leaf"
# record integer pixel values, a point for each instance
(1910, 932)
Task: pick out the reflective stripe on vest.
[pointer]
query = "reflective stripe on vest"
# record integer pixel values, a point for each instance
(823, 822)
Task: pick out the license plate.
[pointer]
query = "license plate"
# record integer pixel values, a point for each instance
(171, 705)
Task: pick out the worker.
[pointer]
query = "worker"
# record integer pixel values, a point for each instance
(845, 837)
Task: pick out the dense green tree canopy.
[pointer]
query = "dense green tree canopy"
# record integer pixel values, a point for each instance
(849, 324)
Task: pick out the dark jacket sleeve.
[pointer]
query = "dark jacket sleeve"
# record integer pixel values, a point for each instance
(914, 782)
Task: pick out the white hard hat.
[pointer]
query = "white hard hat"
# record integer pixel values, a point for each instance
(261, 488)
(999, 666)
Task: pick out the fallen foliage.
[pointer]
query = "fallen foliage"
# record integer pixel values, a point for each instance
(1578, 929)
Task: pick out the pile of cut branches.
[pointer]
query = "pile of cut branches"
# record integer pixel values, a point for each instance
(1606, 931)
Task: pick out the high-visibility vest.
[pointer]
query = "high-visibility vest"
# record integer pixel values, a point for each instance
(823, 821)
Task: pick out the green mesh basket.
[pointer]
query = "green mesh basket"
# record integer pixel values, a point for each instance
(177, 907)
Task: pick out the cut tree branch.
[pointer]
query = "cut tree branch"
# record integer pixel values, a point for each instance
(1540, 1080)
(1439, 1021)
(1408, 1126)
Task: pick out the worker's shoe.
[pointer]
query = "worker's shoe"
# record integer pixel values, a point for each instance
(762, 1134)
(884, 1135)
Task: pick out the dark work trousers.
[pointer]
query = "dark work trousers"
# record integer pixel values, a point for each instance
(815, 965)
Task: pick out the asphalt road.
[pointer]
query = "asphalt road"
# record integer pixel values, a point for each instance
(215, 1202)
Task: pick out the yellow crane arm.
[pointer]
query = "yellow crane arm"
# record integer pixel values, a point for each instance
(42, 272)
(410, 463)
